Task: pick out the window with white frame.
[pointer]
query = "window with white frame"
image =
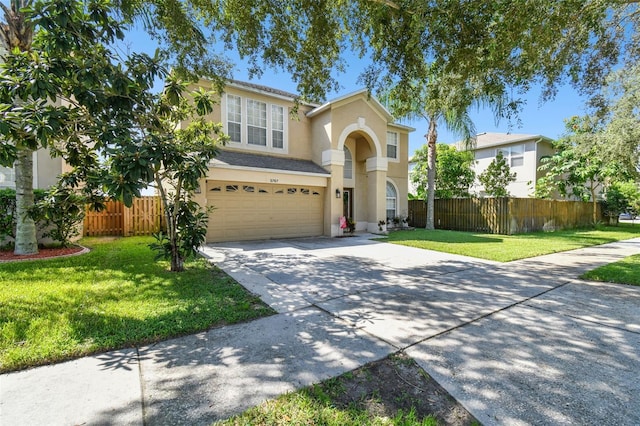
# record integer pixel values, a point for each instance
(513, 154)
(392, 201)
(234, 118)
(392, 145)
(255, 123)
(277, 126)
(7, 177)
(348, 164)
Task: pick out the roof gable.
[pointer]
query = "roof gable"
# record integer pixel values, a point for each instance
(362, 94)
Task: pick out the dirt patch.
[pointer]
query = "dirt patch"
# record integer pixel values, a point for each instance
(397, 383)
(43, 253)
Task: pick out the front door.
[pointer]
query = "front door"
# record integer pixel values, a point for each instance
(347, 202)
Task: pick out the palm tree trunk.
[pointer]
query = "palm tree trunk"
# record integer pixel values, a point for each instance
(432, 137)
(26, 240)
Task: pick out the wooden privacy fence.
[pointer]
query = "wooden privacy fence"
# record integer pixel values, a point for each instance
(504, 215)
(144, 217)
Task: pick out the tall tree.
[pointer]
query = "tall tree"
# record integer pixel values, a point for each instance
(169, 21)
(446, 100)
(74, 89)
(577, 169)
(16, 33)
(494, 49)
(497, 177)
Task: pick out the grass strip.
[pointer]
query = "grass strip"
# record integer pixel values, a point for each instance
(625, 271)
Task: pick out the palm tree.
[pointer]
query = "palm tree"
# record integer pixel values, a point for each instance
(443, 101)
(17, 33)
(458, 122)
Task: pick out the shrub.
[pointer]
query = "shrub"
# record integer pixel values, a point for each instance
(60, 212)
(8, 212)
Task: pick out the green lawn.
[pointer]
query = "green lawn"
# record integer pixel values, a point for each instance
(625, 271)
(505, 248)
(115, 296)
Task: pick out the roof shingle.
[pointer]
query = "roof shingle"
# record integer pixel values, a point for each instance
(241, 159)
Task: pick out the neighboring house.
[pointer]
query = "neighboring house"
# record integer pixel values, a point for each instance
(280, 177)
(523, 154)
(45, 171)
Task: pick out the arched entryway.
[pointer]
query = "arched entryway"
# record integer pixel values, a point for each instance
(363, 177)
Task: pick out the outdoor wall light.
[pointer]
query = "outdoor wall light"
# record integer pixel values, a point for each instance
(337, 193)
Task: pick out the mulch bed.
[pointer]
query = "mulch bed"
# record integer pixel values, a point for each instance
(43, 253)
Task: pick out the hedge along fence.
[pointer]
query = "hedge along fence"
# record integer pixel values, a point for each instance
(504, 215)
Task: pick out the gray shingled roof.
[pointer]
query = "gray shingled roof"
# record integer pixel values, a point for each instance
(241, 159)
(265, 89)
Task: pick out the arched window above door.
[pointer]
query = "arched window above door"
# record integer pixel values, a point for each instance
(348, 164)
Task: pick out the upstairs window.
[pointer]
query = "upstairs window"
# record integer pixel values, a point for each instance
(513, 154)
(277, 126)
(234, 118)
(256, 124)
(392, 145)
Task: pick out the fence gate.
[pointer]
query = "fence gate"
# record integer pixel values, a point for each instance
(144, 217)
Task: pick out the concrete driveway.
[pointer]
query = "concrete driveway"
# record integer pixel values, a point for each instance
(521, 343)
(517, 343)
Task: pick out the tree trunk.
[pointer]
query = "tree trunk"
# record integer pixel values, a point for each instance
(595, 205)
(432, 137)
(26, 240)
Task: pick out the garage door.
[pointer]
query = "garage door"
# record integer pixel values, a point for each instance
(246, 211)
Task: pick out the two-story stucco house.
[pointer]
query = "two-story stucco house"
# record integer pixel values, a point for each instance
(523, 153)
(280, 177)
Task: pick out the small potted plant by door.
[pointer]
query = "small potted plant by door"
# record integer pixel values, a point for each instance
(351, 225)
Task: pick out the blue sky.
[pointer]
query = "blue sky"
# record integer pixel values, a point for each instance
(536, 118)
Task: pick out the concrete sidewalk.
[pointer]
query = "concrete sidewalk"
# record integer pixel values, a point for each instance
(518, 343)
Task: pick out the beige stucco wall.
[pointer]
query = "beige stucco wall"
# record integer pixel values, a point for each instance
(297, 127)
(321, 131)
(398, 171)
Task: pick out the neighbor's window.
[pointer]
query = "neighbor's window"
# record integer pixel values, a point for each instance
(513, 154)
(348, 164)
(392, 145)
(392, 201)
